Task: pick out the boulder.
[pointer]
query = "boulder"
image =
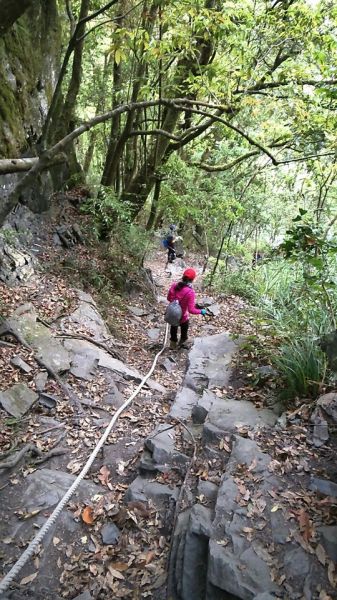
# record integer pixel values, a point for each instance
(86, 357)
(47, 347)
(328, 402)
(321, 431)
(18, 399)
(244, 577)
(142, 489)
(41, 380)
(168, 364)
(328, 344)
(203, 406)
(184, 401)
(209, 361)
(87, 318)
(154, 334)
(161, 445)
(228, 415)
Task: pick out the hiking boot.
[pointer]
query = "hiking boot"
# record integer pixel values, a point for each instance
(186, 345)
(173, 345)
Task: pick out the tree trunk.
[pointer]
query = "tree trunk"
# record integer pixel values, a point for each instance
(19, 165)
(116, 147)
(138, 189)
(154, 205)
(90, 152)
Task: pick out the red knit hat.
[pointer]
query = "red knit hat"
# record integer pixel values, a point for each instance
(190, 274)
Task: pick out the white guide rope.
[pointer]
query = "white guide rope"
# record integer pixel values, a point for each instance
(57, 510)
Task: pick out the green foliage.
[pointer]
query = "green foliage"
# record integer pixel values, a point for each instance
(302, 366)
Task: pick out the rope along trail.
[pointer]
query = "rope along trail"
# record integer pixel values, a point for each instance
(15, 570)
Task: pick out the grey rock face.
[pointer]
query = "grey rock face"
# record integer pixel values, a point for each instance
(328, 403)
(87, 317)
(194, 573)
(246, 451)
(17, 265)
(329, 540)
(46, 487)
(142, 489)
(202, 408)
(245, 577)
(183, 404)
(280, 528)
(228, 415)
(161, 444)
(85, 357)
(18, 399)
(209, 361)
(208, 489)
(47, 347)
(296, 565)
(323, 486)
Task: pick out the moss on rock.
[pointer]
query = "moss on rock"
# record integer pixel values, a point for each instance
(29, 62)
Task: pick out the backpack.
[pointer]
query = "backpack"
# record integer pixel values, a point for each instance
(173, 313)
(165, 243)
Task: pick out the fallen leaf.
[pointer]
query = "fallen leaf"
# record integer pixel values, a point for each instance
(104, 475)
(28, 579)
(224, 446)
(7, 540)
(324, 596)
(321, 555)
(87, 515)
(119, 566)
(305, 525)
(332, 574)
(115, 573)
(275, 508)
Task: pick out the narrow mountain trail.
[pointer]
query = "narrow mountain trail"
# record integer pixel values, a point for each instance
(201, 468)
(99, 542)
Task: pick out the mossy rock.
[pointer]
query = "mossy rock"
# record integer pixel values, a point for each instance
(29, 62)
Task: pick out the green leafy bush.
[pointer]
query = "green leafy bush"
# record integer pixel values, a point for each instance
(302, 366)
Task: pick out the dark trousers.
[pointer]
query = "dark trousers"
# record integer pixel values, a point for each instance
(183, 332)
(171, 255)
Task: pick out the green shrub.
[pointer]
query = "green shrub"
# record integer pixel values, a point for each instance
(302, 366)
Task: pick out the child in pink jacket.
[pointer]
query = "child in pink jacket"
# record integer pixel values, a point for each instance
(185, 294)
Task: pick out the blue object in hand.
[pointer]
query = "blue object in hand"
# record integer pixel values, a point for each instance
(203, 311)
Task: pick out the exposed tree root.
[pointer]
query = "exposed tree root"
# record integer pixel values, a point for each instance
(42, 456)
(113, 353)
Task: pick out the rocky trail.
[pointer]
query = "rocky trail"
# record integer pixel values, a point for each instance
(206, 487)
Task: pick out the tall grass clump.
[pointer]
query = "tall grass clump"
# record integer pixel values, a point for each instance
(302, 366)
